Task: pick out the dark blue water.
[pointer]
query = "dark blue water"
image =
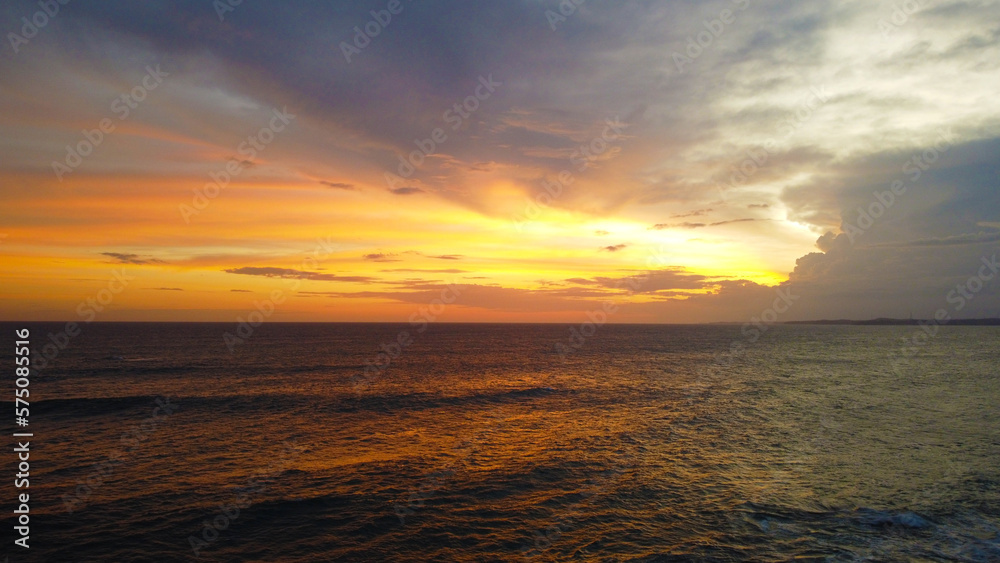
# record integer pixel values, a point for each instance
(485, 443)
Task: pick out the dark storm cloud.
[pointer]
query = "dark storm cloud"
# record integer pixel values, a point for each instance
(687, 128)
(433, 51)
(428, 58)
(956, 240)
(945, 198)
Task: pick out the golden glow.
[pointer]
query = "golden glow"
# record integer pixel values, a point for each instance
(359, 253)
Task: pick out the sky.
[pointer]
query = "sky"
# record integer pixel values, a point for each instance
(515, 161)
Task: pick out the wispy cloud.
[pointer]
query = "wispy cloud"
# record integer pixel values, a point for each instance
(419, 270)
(745, 220)
(132, 258)
(406, 190)
(690, 225)
(339, 185)
(381, 257)
(695, 213)
(270, 272)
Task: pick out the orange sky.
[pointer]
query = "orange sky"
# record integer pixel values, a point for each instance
(724, 178)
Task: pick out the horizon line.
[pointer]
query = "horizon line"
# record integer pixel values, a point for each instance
(884, 320)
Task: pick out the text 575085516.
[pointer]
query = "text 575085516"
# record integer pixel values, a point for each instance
(22, 371)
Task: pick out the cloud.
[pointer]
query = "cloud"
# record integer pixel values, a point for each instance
(240, 291)
(684, 225)
(926, 243)
(418, 270)
(270, 272)
(165, 288)
(381, 257)
(614, 247)
(955, 240)
(405, 190)
(339, 185)
(583, 281)
(435, 257)
(488, 297)
(695, 213)
(690, 225)
(657, 280)
(131, 258)
(745, 220)
(667, 284)
(888, 99)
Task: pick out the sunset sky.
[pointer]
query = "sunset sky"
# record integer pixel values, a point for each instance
(684, 160)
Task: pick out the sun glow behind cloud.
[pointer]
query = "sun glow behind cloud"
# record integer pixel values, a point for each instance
(676, 192)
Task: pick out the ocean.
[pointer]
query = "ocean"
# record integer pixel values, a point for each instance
(487, 442)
